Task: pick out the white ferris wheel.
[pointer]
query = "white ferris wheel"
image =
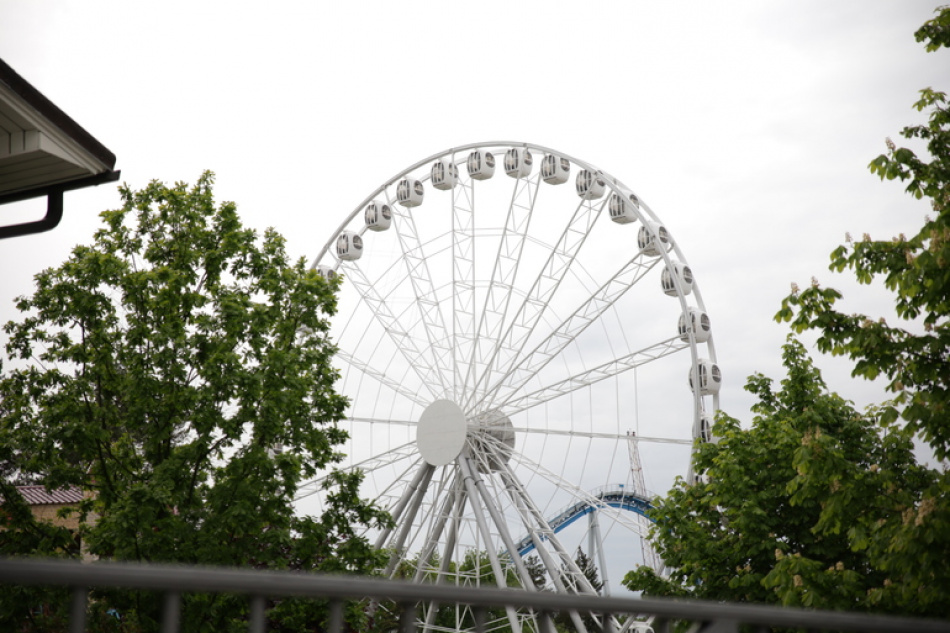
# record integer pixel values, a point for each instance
(513, 323)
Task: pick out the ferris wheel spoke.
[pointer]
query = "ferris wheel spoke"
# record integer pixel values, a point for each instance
(427, 302)
(568, 330)
(600, 436)
(520, 328)
(499, 455)
(463, 279)
(397, 332)
(586, 378)
(382, 378)
(391, 456)
(504, 271)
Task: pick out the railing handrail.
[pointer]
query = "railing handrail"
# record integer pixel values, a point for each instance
(274, 584)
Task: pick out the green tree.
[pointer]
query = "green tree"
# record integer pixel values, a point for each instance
(178, 371)
(537, 571)
(746, 531)
(563, 620)
(587, 567)
(911, 540)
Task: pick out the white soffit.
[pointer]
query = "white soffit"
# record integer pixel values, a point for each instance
(34, 152)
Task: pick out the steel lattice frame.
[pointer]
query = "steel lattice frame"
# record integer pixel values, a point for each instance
(521, 303)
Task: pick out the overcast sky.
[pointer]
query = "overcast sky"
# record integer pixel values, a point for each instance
(746, 126)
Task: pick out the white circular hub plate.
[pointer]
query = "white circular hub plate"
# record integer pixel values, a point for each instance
(440, 435)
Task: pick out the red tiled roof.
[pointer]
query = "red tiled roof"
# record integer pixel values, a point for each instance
(37, 495)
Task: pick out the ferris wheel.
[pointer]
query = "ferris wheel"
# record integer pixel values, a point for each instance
(512, 322)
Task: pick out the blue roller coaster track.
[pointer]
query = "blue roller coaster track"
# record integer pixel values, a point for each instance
(615, 496)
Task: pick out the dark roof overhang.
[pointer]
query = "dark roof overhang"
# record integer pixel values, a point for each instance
(43, 152)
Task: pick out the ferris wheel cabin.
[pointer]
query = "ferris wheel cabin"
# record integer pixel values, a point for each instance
(652, 237)
(589, 185)
(555, 170)
(679, 272)
(623, 208)
(710, 379)
(698, 324)
(326, 272)
(409, 192)
(518, 161)
(378, 216)
(481, 165)
(705, 428)
(444, 175)
(349, 246)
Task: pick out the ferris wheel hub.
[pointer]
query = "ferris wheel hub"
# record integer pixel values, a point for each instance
(494, 435)
(440, 434)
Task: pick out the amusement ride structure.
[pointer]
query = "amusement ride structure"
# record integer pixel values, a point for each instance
(514, 326)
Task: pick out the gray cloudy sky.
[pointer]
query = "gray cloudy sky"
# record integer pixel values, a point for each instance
(747, 126)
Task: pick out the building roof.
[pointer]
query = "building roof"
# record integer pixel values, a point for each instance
(43, 152)
(37, 495)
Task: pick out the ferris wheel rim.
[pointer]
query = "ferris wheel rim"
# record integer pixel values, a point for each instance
(613, 184)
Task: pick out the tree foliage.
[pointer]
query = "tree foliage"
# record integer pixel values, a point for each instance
(178, 371)
(751, 530)
(817, 505)
(563, 620)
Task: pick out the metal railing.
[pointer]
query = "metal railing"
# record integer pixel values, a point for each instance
(173, 580)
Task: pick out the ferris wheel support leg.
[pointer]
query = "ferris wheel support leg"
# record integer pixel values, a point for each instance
(525, 509)
(595, 542)
(486, 535)
(445, 564)
(500, 523)
(417, 493)
(396, 512)
(581, 583)
(432, 541)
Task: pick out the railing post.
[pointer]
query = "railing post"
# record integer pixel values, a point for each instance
(661, 625)
(715, 626)
(77, 610)
(335, 625)
(407, 619)
(256, 624)
(480, 618)
(171, 611)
